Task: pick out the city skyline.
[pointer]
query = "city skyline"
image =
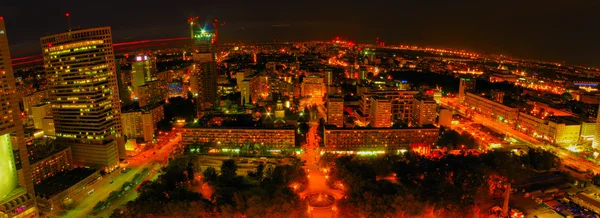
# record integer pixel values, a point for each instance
(200, 119)
(525, 30)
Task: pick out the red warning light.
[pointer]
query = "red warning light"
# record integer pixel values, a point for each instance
(67, 14)
(49, 44)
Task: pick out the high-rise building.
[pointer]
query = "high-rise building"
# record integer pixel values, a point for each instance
(424, 111)
(401, 102)
(16, 186)
(80, 66)
(381, 112)
(205, 68)
(335, 110)
(142, 70)
(153, 92)
(466, 84)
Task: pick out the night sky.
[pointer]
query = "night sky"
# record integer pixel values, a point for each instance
(555, 30)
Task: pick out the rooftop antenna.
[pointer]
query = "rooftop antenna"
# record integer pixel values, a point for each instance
(68, 20)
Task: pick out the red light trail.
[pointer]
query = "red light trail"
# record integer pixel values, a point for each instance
(38, 58)
(148, 40)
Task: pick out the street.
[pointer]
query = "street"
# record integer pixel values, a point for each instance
(84, 202)
(565, 155)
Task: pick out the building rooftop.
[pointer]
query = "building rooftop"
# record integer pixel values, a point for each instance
(43, 148)
(231, 121)
(424, 127)
(567, 120)
(62, 181)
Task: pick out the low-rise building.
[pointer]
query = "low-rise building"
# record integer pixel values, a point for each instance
(492, 109)
(52, 192)
(47, 160)
(232, 131)
(564, 130)
(379, 139)
(587, 201)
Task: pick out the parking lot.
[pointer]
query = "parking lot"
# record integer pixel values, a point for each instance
(244, 164)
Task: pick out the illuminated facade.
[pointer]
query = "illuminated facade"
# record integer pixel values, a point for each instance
(490, 108)
(236, 137)
(445, 118)
(33, 100)
(401, 102)
(313, 86)
(38, 113)
(142, 71)
(16, 186)
(48, 126)
(153, 92)
(205, 68)
(51, 165)
(245, 92)
(559, 130)
(141, 124)
(259, 88)
(335, 111)
(383, 139)
(381, 112)
(564, 131)
(466, 84)
(80, 66)
(424, 111)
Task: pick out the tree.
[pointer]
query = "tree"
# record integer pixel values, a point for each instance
(190, 170)
(229, 169)
(260, 171)
(210, 176)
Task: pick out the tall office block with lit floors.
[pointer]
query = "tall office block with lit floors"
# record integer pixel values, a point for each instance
(205, 68)
(80, 67)
(16, 186)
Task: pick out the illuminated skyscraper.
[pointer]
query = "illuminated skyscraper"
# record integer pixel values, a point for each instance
(16, 185)
(381, 112)
(424, 111)
(205, 68)
(143, 70)
(80, 66)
